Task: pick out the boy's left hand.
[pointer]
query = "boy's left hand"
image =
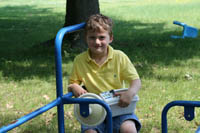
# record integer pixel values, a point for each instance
(125, 98)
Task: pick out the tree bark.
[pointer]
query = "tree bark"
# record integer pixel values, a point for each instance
(77, 11)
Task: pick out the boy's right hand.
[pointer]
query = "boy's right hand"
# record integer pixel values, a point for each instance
(76, 89)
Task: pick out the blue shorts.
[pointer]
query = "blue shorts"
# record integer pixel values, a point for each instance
(117, 121)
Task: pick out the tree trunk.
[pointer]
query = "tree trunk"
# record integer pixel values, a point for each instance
(77, 11)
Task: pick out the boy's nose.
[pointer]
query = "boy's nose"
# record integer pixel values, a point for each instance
(98, 41)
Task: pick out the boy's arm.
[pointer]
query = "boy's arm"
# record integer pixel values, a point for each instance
(76, 89)
(127, 96)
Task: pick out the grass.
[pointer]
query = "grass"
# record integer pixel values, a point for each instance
(169, 68)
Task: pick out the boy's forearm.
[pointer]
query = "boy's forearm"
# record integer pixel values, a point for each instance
(135, 85)
(76, 89)
(72, 86)
(126, 97)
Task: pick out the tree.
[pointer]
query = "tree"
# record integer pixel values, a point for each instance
(77, 11)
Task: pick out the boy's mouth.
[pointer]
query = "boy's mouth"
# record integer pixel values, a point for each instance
(97, 47)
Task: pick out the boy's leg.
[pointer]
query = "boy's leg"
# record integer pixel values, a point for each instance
(124, 121)
(90, 131)
(97, 129)
(128, 126)
(118, 122)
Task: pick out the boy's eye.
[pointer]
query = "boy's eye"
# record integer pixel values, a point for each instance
(102, 37)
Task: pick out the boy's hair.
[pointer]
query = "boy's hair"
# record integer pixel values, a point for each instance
(98, 21)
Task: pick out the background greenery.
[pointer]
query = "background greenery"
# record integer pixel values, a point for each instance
(169, 68)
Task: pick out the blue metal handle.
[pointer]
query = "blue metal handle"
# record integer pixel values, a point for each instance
(58, 56)
(188, 111)
(66, 99)
(179, 23)
(58, 60)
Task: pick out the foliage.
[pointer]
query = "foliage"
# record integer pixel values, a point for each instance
(169, 68)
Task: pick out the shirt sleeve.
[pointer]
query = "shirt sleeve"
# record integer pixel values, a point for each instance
(74, 76)
(128, 71)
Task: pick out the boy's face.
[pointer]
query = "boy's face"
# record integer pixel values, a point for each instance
(98, 41)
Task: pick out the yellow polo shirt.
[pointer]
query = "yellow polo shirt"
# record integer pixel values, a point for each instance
(110, 75)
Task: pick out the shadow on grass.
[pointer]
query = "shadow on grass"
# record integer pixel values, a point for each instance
(23, 28)
(147, 44)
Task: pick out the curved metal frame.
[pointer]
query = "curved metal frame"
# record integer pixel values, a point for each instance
(189, 108)
(61, 99)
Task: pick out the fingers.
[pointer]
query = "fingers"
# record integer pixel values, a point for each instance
(123, 103)
(81, 93)
(123, 100)
(117, 94)
(78, 91)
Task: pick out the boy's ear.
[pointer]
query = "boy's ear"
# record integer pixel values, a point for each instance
(111, 38)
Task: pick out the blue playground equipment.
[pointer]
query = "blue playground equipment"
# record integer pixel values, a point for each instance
(188, 31)
(62, 99)
(189, 106)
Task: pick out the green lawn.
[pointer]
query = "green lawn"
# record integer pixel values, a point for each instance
(169, 68)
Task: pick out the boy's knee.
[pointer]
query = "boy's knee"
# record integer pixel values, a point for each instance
(128, 126)
(90, 131)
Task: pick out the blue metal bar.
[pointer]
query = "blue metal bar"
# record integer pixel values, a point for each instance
(30, 116)
(179, 23)
(58, 60)
(59, 85)
(68, 100)
(188, 114)
(58, 56)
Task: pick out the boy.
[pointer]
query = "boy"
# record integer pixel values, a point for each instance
(100, 69)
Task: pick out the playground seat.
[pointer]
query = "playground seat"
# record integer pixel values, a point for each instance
(188, 31)
(189, 108)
